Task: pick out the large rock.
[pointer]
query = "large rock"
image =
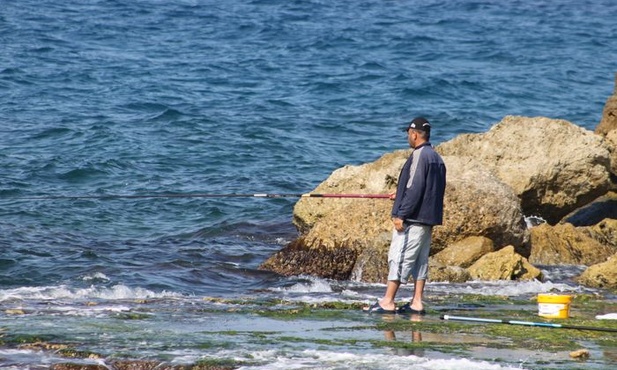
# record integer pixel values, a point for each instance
(609, 114)
(602, 275)
(478, 204)
(299, 258)
(349, 238)
(553, 165)
(335, 231)
(504, 264)
(565, 244)
(377, 177)
(466, 252)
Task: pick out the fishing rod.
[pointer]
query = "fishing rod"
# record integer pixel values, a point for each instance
(232, 195)
(526, 323)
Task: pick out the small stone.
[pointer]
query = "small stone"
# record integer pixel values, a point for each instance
(580, 354)
(14, 311)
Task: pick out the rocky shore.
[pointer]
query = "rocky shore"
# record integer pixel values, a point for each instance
(530, 191)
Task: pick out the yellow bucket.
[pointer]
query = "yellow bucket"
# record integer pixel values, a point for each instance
(554, 306)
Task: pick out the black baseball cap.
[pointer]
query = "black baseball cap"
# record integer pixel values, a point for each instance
(419, 123)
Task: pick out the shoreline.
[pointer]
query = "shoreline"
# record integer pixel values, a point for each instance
(289, 329)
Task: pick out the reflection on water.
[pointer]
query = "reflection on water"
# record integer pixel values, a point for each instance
(412, 336)
(416, 337)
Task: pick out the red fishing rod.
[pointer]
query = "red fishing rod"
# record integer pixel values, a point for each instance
(198, 195)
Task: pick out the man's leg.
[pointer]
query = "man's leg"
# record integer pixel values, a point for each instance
(420, 269)
(395, 254)
(387, 302)
(418, 293)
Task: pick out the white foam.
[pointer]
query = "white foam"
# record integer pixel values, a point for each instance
(533, 221)
(88, 311)
(503, 288)
(315, 359)
(116, 292)
(98, 276)
(19, 358)
(314, 285)
(316, 290)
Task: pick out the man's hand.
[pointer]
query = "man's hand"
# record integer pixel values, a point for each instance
(398, 224)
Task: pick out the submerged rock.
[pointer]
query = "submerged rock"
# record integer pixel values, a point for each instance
(581, 354)
(298, 258)
(138, 365)
(73, 366)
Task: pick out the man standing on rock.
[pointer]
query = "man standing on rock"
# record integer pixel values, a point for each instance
(418, 206)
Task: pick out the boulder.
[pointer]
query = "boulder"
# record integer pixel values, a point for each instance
(609, 114)
(349, 238)
(602, 275)
(377, 177)
(300, 258)
(537, 159)
(478, 204)
(504, 264)
(444, 273)
(336, 231)
(466, 252)
(564, 244)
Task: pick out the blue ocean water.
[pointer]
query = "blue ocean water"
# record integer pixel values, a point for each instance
(107, 97)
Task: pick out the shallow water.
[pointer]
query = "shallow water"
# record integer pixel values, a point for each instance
(254, 329)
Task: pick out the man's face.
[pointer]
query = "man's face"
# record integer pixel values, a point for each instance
(412, 137)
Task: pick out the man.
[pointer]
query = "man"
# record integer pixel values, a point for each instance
(418, 206)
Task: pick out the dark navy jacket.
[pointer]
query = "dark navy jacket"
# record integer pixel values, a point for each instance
(421, 188)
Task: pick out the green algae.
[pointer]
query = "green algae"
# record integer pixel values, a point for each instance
(132, 316)
(340, 326)
(481, 306)
(218, 364)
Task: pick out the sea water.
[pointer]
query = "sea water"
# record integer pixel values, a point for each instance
(243, 96)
